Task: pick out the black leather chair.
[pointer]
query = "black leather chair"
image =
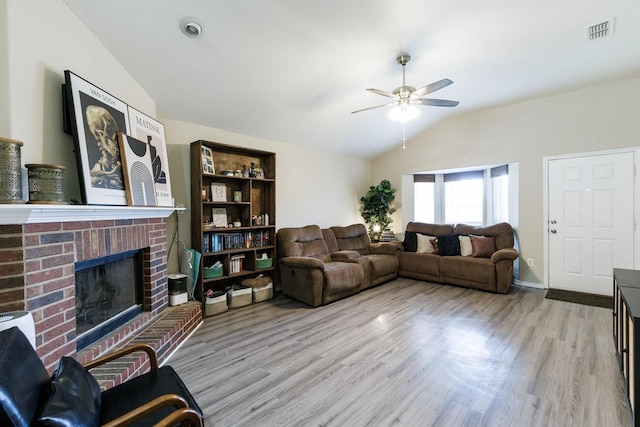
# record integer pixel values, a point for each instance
(72, 397)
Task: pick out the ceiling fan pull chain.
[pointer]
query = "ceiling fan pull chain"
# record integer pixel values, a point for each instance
(404, 138)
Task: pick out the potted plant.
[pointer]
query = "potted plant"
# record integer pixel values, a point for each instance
(376, 207)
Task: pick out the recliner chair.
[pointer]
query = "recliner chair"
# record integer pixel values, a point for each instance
(307, 271)
(28, 396)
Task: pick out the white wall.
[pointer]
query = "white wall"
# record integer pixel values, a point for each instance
(592, 119)
(44, 39)
(312, 186)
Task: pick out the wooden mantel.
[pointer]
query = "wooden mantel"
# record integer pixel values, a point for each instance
(16, 214)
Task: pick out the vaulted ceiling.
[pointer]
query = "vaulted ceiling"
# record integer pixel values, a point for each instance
(294, 70)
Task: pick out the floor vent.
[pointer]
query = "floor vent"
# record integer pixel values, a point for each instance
(599, 30)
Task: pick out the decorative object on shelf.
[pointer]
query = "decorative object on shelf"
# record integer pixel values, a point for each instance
(46, 183)
(219, 217)
(259, 173)
(237, 196)
(207, 161)
(95, 119)
(387, 235)
(10, 175)
(376, 207)
(137, 170)
(218, 192)
(151, 131)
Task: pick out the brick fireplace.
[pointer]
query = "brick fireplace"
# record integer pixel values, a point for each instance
(38, 253)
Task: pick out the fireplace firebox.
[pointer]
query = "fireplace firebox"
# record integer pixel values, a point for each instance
(109, 293)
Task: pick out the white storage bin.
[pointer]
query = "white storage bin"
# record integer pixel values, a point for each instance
(216, 305)
(239, 296)
(263, 293)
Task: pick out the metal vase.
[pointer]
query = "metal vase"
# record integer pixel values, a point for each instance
(10, 175)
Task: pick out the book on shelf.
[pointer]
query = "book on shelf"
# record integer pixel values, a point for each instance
(235, 266)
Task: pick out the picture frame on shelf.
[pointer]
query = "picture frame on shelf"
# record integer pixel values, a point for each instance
(219, 217)
(218, 192)
(151, 131)
(138, 171)
(207, 161)
(95, 118)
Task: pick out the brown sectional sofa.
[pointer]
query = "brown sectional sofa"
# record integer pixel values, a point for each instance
(318, 266)
(494, 273)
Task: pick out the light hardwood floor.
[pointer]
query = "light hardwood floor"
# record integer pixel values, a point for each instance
(408, 353)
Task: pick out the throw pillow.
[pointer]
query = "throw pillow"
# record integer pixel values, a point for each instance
(448, 245)
(410, 242)
(74, 399)
(424, 244)
(465, 246)
(483, 247)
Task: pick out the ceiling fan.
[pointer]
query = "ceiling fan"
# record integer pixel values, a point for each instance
(405, 98)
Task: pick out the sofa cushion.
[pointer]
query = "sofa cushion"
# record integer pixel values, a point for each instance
(425, 244)
(448, 245)
(75, 397)
(465, 270)
(303, 241)
(342, 276)
(482, 247)
(503, 232)
(383, 265)
(352, 238)
(421, 264)
(410, 242)
(465, 245)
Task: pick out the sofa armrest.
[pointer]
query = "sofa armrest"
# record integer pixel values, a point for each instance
(302, 262)
(504, 254)
(385, 248)
(345, 256)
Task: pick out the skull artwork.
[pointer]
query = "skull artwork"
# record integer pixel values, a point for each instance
(107, 171)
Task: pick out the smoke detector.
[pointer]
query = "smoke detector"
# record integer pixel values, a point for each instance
(599, 30)
(190, 27)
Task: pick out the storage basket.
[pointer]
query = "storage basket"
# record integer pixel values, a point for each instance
(264, 263)
(211, 272)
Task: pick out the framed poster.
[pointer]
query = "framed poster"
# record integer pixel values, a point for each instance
(138, 171)
(151, 131)
(219, 217)
(96, 117)
(218, 192)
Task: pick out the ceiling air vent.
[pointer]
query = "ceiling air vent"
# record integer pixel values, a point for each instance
(599, 30)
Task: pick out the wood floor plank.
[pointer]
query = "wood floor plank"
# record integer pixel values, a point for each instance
(408, 353)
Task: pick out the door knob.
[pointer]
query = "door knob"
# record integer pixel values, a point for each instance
(553, 231)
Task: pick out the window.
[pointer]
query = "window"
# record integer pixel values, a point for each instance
(476, 197)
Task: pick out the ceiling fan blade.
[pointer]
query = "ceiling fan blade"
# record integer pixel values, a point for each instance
(437, 102)
(383, 93)
(431, 88)
(377, 106)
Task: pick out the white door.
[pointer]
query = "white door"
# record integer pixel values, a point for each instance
(591, 220)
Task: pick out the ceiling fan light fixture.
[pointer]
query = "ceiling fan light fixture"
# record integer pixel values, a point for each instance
(404, 113)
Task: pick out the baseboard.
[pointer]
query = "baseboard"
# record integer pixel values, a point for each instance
(529, 284)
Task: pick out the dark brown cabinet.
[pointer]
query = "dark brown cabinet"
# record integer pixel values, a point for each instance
(233, 213)
(626, 332)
